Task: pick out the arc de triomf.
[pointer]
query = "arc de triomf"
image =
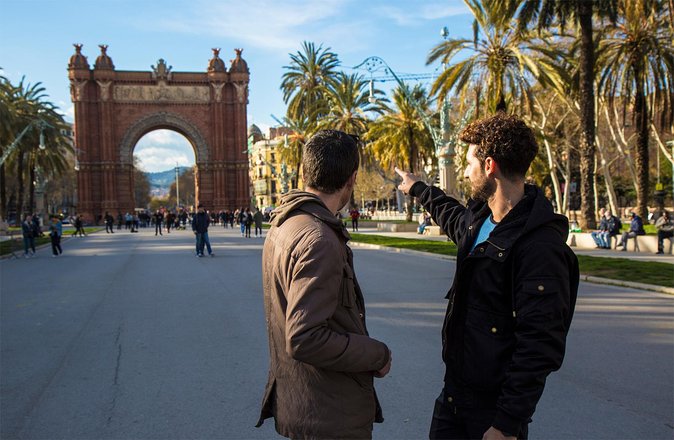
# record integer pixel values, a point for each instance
(114, 109)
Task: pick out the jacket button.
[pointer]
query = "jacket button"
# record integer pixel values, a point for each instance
(361, 315)
(450, 399)
(481, 249)
(500, 254)
(494, 330)
(541, 288)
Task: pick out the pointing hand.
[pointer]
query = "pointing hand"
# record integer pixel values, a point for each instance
(409, 179)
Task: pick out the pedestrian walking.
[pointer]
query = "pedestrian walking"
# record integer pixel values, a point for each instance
(170, 218)
(355, 215)
(258, 218)
(158, 218)
(241, 220)
(200, 224)
(248, 221)
(109, 223)
(79, 227)
(322, 361)
(28, 232)
(514, 290)
(55, 233)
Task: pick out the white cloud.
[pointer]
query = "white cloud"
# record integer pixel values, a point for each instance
(155, 159)
(265, 24)
(413, 14)
(160, 150)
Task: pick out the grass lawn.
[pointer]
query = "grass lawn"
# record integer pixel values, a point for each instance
(660, 274)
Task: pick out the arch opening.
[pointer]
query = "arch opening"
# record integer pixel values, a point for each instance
(164, 170)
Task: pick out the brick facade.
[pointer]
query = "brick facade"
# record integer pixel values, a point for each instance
(114, 109)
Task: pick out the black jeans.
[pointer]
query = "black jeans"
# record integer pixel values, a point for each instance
(452, 422)
(56, 244)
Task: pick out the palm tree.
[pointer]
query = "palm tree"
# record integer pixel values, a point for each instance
(349, 102)
(501, 62)
(400, 137)
(7, 112)
(351, 107)
(26, 104)
(580, 12)
(310, 73)
(637, 63)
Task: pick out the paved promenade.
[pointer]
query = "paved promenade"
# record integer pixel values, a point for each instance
(130, 336)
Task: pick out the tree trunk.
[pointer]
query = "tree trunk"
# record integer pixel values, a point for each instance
(20, 187)
(31, 191)
(410, 199)
(608, 180)
(641, 113)
(3, 193)
(587, 209)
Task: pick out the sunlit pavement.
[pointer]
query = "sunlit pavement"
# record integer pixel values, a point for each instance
(132, 336)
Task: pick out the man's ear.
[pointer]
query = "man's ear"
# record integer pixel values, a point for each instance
(490, 166)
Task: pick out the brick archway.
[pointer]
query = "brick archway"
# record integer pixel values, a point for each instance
(114, 109)
(158, 121)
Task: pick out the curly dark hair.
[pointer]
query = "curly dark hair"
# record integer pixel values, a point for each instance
(504, 138)
(329, 159)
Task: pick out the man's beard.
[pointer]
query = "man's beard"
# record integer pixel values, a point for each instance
(482, 189)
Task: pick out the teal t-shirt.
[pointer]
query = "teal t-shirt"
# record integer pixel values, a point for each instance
(487, 226)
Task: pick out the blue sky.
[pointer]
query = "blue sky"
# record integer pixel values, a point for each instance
(37, 38)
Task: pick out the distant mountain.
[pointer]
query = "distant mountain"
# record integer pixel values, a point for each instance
(163, 179)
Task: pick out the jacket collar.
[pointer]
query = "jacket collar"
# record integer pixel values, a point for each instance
(530, 213)
(301, 201)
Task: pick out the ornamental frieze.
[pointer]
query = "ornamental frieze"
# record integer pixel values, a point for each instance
(162, 93)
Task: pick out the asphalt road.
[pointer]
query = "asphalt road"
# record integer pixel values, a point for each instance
(130, 336)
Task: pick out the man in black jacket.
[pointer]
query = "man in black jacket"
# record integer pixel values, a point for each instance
(514, 291)
(200, 224)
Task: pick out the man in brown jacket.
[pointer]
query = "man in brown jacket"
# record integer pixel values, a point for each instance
(322, 361)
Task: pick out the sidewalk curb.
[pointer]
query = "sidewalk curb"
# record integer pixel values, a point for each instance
(631, 284)
(401, 251)
(586, 278)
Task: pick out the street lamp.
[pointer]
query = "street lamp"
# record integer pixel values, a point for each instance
(444, 149)
(177, 187)
(40, 124)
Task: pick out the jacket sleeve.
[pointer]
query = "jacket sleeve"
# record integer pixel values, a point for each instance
(446, 211)
(545, 284)
(313, 297)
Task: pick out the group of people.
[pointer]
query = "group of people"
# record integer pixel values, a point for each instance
(31, 229)
(509, 307)
(610, 226)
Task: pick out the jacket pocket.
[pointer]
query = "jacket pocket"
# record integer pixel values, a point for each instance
(538, 299)
(488, 345)
(348, 293)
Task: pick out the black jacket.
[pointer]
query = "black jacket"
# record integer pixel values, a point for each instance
(510, 304)
(200, 222)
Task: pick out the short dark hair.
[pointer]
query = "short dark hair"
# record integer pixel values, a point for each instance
(504, 138)
(329, 159)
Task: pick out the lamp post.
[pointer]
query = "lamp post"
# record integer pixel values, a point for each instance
(442, 141)
(14, 145)
(446, 152)
(177, 187)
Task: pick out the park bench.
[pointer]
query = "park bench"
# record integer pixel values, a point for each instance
(641, 243)
(433, 230)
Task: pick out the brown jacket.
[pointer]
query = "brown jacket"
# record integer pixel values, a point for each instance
(321, 357)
